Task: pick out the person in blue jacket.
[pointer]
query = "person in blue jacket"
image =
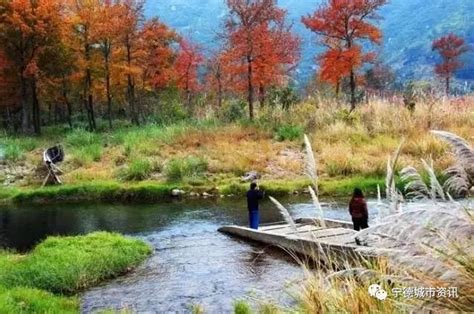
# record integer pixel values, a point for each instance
(253, 197)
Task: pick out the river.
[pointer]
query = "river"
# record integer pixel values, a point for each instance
(192, 263)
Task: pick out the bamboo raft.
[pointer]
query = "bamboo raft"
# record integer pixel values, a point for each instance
(336, 241)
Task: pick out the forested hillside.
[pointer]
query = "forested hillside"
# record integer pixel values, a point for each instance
(409, 27)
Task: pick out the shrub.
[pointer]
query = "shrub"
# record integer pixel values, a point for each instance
(233, 111)
(289, 133)
(137, 170)
(191, 167)
(286, 97)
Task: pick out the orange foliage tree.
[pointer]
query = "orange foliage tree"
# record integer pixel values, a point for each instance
(82, 20)
(217, 76)
(450, 48)
(158, 58)
(132, 17)
(27, 29)
(107, 34)
(260, 47)
(9, 99)
(186, 65)
(342, 25)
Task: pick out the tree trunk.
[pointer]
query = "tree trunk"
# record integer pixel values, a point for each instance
(50, 113)
(36, 108)
(447, 86)
(131, 88)
(25, 110)
(250, 87)
(353, 88)
(67, 103)
(219, 89)
(89, 104)
(107, 87)
(88, 98)
(261, 94)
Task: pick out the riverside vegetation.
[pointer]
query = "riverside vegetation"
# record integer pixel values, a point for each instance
(210, 152)
(46, 279)
(425, 249)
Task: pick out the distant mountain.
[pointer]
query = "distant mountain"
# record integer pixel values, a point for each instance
(409, 27)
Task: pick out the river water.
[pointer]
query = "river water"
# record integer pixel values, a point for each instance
(192, 263)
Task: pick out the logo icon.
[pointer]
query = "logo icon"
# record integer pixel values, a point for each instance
(376, 291)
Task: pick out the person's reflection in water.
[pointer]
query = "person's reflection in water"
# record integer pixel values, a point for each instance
(255, 262)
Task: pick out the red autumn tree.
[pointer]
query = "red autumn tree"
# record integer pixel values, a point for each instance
(158, 56)
(450, 48)
(260, 47)
(83, 25)
(132, 17)
(186, 65)
(8, 85)
(217, 77)
(106, 34)
(342, 26)
(278, 54)
(27, 29)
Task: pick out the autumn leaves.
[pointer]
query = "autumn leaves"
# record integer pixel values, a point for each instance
(343, 26)
(95, 57)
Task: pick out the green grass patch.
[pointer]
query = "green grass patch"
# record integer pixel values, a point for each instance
(137, 170)
(149, 192)
(7, 193)
(85, 155)
(189, 167)
(272, 188)
(14, 149)
(289, 133)
(107, 192)
(82, 138)
(26, 300)
(67, 265)
(345, 186)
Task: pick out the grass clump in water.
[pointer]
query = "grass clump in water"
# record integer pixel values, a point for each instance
(242, 307)
(67, 265)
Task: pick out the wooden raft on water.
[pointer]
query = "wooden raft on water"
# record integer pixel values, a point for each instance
(336, 241)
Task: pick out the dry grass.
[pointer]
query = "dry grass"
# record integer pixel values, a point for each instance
(354, 144)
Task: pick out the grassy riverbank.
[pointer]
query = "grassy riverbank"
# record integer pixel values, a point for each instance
(149, 192)
(46, 279)
(199, 155)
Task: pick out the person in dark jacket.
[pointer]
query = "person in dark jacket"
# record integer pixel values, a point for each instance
(253, 197)
(358, 210)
